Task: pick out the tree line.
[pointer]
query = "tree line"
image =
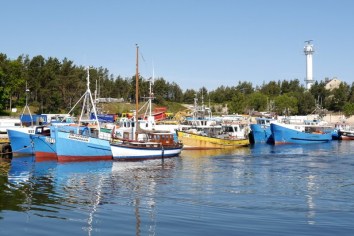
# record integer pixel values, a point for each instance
(54, 86)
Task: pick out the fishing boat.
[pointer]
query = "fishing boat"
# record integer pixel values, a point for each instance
(156, 145)
(346, 134)
(44, 143)
(152, 121)
(146, 145)
(260, 131)
(19, 136)
(85, 143)
(200, 125)
(308, 132)
(343, 132)
(233, 134)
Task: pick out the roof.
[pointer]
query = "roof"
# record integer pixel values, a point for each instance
(333, 84)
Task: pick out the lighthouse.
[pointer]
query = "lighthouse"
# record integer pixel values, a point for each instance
(308, 50)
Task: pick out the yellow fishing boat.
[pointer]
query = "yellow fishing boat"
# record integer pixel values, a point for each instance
(231, 135)
(194, 141)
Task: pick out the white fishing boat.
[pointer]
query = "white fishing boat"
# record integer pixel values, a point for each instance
(146, 144)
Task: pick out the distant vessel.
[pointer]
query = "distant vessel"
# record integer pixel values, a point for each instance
(310, 132)
(343, 132)
(260, 132)
(233, 134)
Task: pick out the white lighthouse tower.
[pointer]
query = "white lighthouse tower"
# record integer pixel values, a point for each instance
(308, 50)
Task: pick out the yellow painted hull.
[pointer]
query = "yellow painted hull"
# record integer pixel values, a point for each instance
(194, 141)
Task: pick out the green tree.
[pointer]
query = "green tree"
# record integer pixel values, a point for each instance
(189, 95)
(306, 103)
(175, 92)
(245, 87)
(238, 103)
(348, 109)
(338, 97)
(15, 81)
(257, 101)
(320, 93)
(286, 105)
(351, 94)
(272, 89)
(291, 86)
(161, 88)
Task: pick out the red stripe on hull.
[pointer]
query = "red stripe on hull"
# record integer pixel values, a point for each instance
(46, 156)
(83, 158)
(346, 138)
(280, 143)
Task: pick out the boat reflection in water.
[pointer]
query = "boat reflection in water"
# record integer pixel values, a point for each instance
(215, 152)
(21, 170)
(140, 181)
(305, 183)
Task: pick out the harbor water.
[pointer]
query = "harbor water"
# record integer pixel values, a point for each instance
(258, 190)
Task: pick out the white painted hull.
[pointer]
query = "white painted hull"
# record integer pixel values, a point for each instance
(129, 152)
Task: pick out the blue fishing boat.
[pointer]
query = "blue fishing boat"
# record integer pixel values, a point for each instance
(85, 143)
(260, 132)
(20, 140)
(44, 144)
(81, 146)
(43, 141)
(20, 136)
(301, 133)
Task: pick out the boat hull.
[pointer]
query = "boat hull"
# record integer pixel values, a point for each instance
(261, 134)
(346, 135)
(75, 147)
(283, 135)
(20, 140)
(127, 152)
(44, 148)
(198, 142)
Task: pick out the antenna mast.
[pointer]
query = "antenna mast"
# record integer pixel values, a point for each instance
(136, 91)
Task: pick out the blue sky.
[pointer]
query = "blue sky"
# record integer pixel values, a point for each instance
(193, 43)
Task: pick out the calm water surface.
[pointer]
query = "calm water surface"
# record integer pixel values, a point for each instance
(262, 190)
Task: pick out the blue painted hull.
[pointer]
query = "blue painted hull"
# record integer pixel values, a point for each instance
(283, 135)
(21, 142)
(75, 147)
(336, 135)
(261, 133)
(44, 147)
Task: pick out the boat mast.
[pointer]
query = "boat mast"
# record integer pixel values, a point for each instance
(26, 107)
(151, 94)
(87, 99)
(136, 92)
